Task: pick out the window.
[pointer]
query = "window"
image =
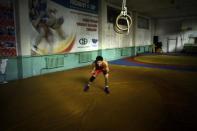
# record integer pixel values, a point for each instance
(143, 22)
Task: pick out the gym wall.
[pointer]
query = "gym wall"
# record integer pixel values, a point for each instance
(102, 39)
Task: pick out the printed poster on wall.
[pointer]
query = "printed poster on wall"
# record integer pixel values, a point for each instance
(60, 26)
(7, 29)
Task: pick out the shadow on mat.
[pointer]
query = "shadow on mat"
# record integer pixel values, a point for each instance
(82, 80)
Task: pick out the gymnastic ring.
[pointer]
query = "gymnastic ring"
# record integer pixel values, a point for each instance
(125, 17)
(119, 31)
(116, 29)
(129, 21)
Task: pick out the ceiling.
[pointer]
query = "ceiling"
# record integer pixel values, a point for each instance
(161, 8)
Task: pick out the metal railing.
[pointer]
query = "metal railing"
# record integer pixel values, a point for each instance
(3, 66)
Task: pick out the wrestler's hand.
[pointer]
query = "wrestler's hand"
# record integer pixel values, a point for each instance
(92, 72)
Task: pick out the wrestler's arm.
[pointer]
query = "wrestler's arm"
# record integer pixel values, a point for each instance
(93, 68)
(106, 66)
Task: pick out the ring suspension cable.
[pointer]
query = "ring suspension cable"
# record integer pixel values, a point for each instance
(123, 16)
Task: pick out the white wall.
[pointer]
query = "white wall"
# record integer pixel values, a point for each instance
(187, 34)
(170, 29)
(108, 37)
(143, 36)
(25, 27)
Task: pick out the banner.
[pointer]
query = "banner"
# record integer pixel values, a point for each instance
(7, 29)
(90, 6)
(63, 26)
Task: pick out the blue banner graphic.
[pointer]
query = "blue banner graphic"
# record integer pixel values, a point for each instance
(90, 6)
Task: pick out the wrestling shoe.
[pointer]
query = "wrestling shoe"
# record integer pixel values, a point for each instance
(106, 89)
(86, 88)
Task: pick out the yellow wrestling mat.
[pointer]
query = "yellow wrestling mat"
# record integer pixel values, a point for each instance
(141, 99)
(168, 59)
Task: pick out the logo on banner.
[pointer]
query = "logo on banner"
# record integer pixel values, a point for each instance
(94, 42)
(83, 41)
